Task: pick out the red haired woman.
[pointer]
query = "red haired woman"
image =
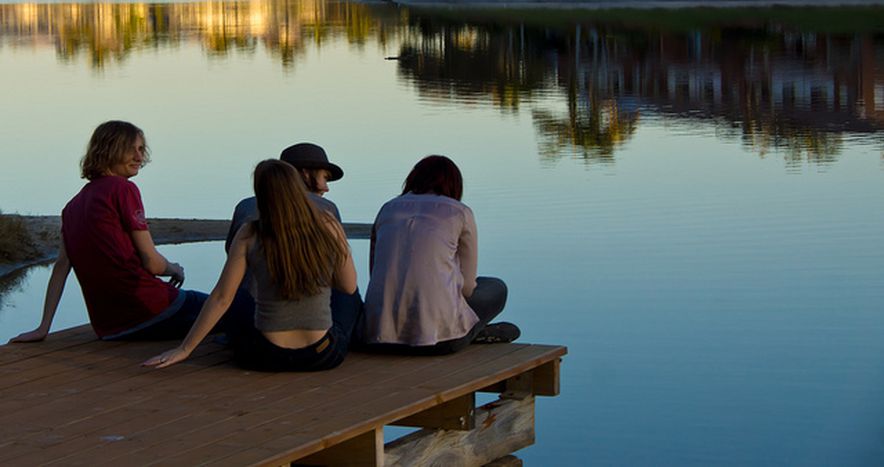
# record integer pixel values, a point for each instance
(424, 296)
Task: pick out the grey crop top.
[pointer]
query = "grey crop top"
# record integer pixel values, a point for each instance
(274, 313)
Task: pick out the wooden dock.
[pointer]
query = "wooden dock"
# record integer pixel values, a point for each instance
(75, 400)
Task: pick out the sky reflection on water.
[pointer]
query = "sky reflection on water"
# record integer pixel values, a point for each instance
(692, 203)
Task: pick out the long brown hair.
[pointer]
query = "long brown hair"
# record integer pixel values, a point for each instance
(435, 174)
(300, 250)
(108, 146)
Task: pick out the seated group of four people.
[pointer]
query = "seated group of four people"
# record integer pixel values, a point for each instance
(287, 295)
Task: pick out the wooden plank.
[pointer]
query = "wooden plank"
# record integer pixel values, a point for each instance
(14, 352)
(109, 371)
(365, 450)
(473, 377)
(34, 447)
(105, 350)
(502, 427)
(456, 414)
(71, 418)
(455, 363)
(126, 422)
(317, 427)
(330, 423)
(227, 415)
(250, 423)
(404, 370)
(127, 353)
(333, 430)
(62, 362)
(246, 457)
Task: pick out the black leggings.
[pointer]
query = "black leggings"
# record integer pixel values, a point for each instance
(487, 301)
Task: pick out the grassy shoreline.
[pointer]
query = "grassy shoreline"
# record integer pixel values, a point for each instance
(16, 244)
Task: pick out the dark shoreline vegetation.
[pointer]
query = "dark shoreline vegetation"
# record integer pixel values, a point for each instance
(16, 244)
(823, 19)
(16, 248)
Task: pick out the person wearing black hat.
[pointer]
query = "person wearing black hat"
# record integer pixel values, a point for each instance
(315, 170)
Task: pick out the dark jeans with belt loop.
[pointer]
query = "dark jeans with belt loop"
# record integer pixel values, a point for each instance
(487, 301)
(253, 351)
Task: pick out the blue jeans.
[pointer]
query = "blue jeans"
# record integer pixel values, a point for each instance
(487, 301)
(176, 323)
(254, 352)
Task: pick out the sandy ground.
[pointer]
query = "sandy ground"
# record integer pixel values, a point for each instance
(45, 232)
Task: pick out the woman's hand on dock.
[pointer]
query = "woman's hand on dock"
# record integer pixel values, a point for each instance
(169, 357)
(36, 335)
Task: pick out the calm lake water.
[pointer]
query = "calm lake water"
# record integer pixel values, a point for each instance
(691, 200)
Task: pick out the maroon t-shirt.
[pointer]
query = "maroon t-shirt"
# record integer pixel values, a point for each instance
(96, 227)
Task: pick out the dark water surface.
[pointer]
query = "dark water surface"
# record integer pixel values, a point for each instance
(691, 200)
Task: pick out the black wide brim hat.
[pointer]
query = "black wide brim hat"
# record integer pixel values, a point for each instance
(310, 156)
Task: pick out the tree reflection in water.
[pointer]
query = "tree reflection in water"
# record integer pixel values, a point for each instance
(109, 32)
(10, 283)
(794, 91)
(795, 81)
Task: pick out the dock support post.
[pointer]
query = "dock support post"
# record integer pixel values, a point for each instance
(365, 450)
(456, 414)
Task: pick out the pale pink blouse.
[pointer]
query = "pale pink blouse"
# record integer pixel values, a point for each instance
(425, 260)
